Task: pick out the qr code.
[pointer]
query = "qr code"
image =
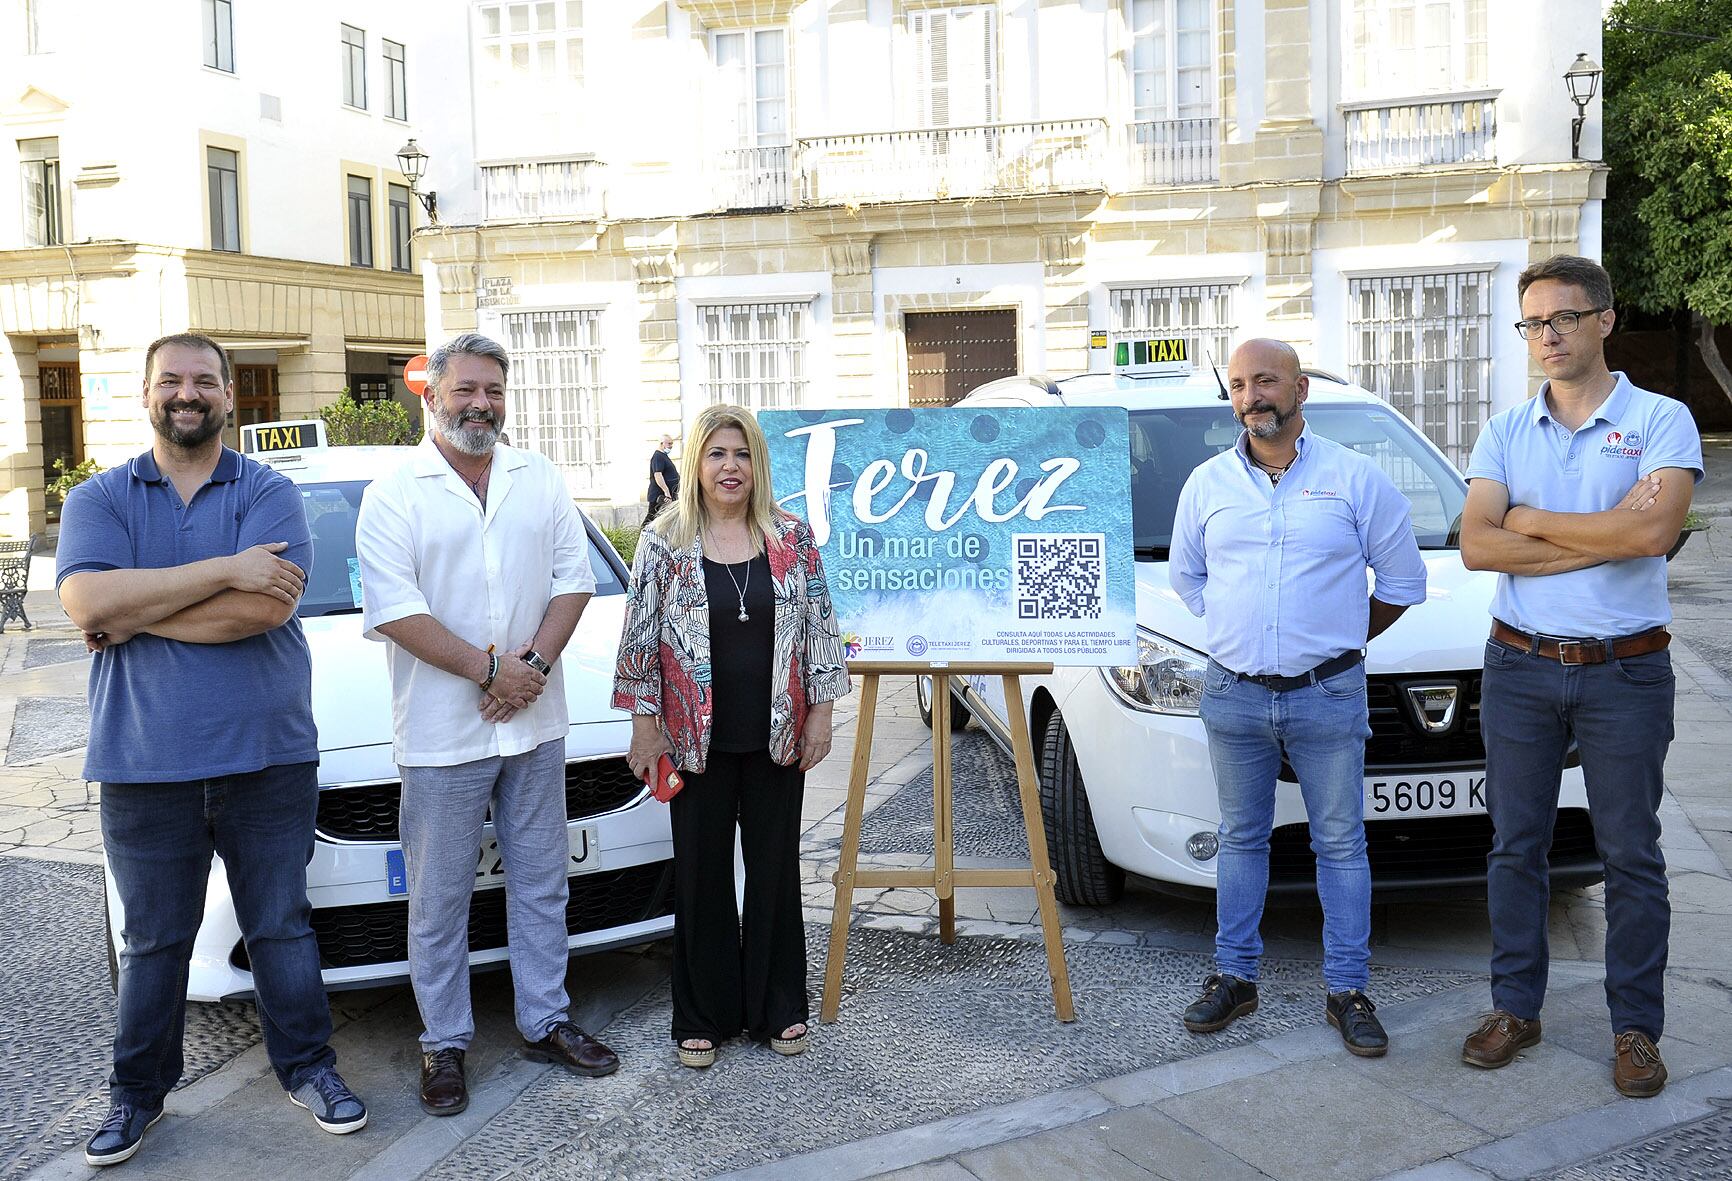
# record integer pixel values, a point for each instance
(1060, 575)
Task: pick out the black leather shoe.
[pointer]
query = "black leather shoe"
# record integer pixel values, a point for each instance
(444, 1090)
(1355, 1016)
(120, 1134)
(1225, 999)
(568, 1046)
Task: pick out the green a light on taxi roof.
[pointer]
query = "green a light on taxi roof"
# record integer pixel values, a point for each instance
(1122, 353)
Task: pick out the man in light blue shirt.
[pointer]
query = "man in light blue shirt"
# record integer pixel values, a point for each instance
(1271, 542)
(1575, 498)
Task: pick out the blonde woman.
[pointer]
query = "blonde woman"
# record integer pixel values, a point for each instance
(730, 662)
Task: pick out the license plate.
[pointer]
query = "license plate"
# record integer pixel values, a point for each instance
(490, 867)
(1432, 795)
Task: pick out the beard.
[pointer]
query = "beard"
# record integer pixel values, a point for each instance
(1269, 427)
(162, 421)
(473, 432)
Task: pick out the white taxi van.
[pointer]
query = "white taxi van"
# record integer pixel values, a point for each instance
(1125, 778)
(621, 846)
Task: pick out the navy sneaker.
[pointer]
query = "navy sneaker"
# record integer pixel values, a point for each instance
(334, 1106)
(120, 1134)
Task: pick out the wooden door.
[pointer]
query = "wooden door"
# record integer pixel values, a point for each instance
(62, 421)
(952, 353)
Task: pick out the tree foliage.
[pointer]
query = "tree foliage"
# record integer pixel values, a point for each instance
(349, 423)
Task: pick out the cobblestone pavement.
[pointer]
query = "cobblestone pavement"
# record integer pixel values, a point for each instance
(1697, 1151)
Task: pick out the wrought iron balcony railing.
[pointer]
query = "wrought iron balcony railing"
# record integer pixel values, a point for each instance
(1420, 133)
(934, 163)
(543, 189)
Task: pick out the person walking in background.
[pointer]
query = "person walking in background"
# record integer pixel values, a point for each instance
(475, 571)
(729, 662)
(183, 568)
(664, 485)
(1271, 541)
(1574, 498)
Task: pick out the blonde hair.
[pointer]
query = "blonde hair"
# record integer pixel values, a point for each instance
(687, 516)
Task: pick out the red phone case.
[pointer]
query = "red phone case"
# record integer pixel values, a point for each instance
(667, 782)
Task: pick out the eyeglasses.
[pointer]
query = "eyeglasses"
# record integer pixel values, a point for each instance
(1563, 323)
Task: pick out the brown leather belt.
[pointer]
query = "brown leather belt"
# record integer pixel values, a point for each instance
(1582, 651)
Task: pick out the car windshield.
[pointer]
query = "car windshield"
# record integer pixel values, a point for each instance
(334, 587)
(1167, 444)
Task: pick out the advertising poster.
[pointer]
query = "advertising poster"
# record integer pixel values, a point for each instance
(950, 535)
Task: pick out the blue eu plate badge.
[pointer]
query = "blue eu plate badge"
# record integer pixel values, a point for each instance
(396, 874)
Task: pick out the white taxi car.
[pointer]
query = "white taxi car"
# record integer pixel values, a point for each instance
(1126, 783)
(621, 845)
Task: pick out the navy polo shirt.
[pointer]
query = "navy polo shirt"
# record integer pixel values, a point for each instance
(166, 711)
(1547, 466)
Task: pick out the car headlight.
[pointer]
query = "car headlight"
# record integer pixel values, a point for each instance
(1167, 678)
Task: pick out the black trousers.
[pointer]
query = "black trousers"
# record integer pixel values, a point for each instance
(735, 972)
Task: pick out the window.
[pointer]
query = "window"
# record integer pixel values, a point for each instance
(223, 174)
(753, 66)
(1423, 344)
(360, 221)
(1171, 62)
(354, 67)
(396, 82)
(755, 353)
(219, 35)
(955, 65)
(531, 52)
(556, 381)
(1407, 47)
(1201, 313)
(397, 199)
(39, 166)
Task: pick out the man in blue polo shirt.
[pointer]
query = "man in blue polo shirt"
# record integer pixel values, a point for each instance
(1575, 498)
(1271, 542)
(183, 568)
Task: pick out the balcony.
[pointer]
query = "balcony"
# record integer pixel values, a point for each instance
(1393, 137)
(991, 160)
(1175, 152)
(753, 178)
(543, 189)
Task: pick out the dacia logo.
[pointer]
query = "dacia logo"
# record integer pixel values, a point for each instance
(1434, 705)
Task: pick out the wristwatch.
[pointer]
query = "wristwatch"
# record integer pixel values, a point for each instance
(537, 661)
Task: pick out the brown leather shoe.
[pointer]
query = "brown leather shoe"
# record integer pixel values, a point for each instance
(444, 1091)
(568, 1046)
(1498, 1039)
(1637, 1071)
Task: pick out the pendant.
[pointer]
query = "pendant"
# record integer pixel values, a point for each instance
(743, 616)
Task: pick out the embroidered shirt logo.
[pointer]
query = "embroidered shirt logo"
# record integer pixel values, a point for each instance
(1622, 445)
(1318, 492)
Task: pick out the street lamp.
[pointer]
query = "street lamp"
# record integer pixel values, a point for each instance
(413, 163)
(1582, 79)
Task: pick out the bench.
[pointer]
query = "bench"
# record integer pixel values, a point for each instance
(15, 579)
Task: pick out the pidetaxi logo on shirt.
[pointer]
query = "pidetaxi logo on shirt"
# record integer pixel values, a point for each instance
(1622, 446)
(1319, 492)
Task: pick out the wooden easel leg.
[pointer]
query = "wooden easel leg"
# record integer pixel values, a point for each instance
(943, 831)
(1023, 750)
(843, 904)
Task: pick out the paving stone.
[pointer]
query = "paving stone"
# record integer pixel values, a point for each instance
(47, 726)
(1700, 1150)
(1320, 1121)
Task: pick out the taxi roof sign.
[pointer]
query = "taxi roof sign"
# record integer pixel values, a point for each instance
(1153, 357)
(266, 437)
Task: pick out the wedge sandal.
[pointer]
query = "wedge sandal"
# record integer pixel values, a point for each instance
(789, 1045)
(698, 1059)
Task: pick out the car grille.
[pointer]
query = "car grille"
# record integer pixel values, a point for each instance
(1427, 849)
(1399, 741)
(369, 813)
(378, 932)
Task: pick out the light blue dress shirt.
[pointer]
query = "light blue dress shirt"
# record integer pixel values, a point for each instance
(1547, 466)
(1278, 572)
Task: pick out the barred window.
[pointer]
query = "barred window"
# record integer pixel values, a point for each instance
(755, 353)
(1201, 313)
(557, 386)
(1423, 344)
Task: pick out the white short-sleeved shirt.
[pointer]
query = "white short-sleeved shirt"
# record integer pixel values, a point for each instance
(426, 547)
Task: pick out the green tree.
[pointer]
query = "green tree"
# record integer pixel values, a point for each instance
(1668, 136)
(349, 423)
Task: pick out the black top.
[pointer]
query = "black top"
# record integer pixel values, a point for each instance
(740, 654)
(662, 462)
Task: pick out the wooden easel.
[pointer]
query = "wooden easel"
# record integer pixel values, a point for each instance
(944, 877)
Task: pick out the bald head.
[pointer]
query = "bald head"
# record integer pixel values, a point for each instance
(1267, 389)
(1263, 352)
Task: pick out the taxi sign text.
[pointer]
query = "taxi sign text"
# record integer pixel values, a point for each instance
(282, 436)
(1152, 352)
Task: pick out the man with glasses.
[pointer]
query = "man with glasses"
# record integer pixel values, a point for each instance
(1576, 496)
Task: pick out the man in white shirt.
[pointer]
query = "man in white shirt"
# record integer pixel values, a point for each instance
(474, 571)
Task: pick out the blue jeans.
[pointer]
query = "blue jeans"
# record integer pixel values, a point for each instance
(1322, 727)
(158, 839)
(443, 810)
(1620, 715)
